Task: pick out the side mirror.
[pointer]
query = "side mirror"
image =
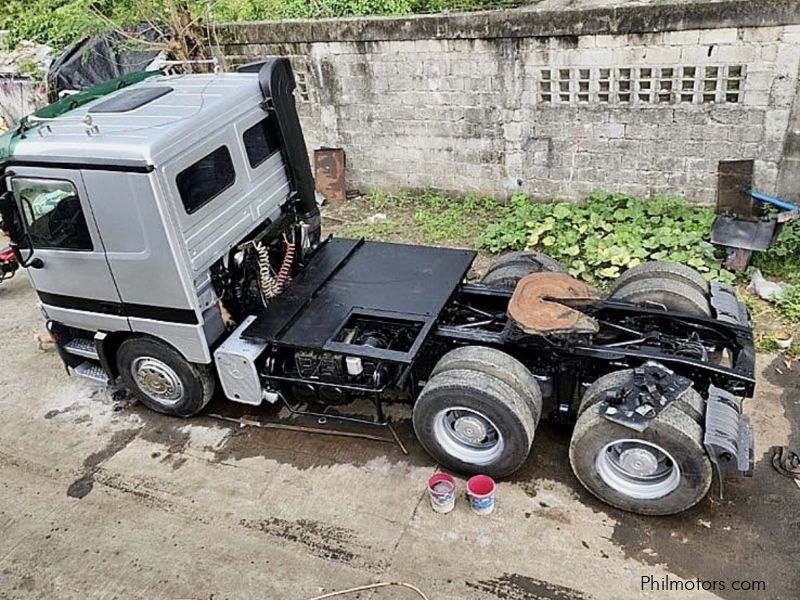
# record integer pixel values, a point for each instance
(12, 225)
(9, 215)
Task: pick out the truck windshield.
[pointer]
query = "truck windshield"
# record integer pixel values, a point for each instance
(52, 213)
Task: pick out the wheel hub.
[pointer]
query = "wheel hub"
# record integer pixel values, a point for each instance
(638, 469)
(471, 428)
(639, 462)
(157, 380)
(468, 435)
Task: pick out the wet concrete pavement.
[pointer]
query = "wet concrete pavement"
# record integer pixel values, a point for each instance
(102, 503)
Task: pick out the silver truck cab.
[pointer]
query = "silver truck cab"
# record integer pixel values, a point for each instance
(125, 199)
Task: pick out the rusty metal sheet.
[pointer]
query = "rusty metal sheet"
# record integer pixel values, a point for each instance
(533, 312)
(329, 170)
(733, 178)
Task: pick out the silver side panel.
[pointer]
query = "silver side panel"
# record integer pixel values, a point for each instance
(235, 361)
(256, 194)
(189, 340)
(90, 321)
(146, 268)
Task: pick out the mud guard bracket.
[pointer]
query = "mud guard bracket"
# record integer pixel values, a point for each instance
(652, 388)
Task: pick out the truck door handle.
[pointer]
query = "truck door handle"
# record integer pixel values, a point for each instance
(36, 263)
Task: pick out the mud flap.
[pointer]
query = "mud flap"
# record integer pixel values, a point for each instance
(728, 435)
(727, 305)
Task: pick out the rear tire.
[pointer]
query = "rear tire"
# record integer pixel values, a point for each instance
(691, 403)
(471, 422)
(662, 270)
(658, 292)
(662, 470)
(498, 364)
(512, 267)
(162, 379)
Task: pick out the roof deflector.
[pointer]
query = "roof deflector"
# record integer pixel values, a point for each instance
(276, 80)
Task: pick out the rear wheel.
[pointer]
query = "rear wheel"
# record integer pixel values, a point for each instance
(690, 403)
(662, 270)
(498, 364)
(668, 294)
(512, 267)
(472, 422)
(162, 379)
(662, 470)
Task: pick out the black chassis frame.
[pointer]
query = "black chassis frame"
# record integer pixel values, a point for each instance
(629, 336)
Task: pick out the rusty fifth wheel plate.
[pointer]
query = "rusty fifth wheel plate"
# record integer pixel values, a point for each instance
(534, 310)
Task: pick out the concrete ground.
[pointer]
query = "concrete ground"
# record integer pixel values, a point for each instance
(99, 500)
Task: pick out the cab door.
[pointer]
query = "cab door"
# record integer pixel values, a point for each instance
(72, 275)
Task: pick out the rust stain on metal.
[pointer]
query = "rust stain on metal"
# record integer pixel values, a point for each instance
(534, 313)
(329, 168)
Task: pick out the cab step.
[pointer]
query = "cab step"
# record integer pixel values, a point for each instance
(82, 347)
(91, 371)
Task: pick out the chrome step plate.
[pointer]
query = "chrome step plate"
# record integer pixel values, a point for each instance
(91, 371)
(82, 347)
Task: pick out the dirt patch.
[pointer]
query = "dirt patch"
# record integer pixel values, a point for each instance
(81, 487)
(307, 450)
(512, 586)
(328, 542)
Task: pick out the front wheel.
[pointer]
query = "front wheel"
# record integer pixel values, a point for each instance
(662, 470)
(162, 379)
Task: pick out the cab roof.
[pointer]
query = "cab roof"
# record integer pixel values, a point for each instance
(141, 124)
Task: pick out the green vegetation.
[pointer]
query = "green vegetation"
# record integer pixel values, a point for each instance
(782, 260)
(788, 305)
(60, 22)
(429, 217)
(609, 233)
(595, 240)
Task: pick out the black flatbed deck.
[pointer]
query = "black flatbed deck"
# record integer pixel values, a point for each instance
(347, 278)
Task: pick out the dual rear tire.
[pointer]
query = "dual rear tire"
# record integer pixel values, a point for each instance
(478, 412)
(666, 285)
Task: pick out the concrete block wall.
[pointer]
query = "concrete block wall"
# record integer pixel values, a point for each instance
(19, 96)
(554, 105)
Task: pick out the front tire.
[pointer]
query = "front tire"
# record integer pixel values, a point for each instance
(662, 470)
(162, 379)
(471, 422)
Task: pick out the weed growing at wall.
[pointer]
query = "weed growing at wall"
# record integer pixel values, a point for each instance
(61, 22)
(609, 233)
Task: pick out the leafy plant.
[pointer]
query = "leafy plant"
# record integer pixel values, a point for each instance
(788, 304)
(782, 260)
(609, 233)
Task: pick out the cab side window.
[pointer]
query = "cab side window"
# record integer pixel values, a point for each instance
(52, 213)
(206, 179)
(260, 141)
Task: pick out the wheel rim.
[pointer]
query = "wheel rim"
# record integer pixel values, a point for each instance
(468, 435)
(157, 380)
(638, 469)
